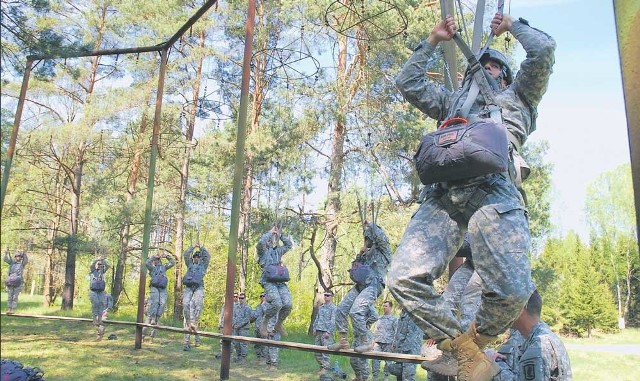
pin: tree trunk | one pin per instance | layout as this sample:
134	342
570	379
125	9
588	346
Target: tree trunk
72	249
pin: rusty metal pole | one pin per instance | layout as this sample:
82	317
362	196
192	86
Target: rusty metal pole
237	190
627	14
164	54
14	133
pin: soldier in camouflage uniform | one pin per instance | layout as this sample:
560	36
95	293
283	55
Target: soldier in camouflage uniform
14	282
385	333
157	300
407	340
97	293
360	299
323	327
542	357
242	314
277	294
489	206
258	315
197	260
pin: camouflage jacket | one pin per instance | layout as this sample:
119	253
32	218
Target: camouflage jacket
242	314
326	318
258	313
95	274
160	269
543	357
386	329
15	267
408	337
268	255
518	101
202	266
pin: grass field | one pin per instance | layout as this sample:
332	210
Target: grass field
68	351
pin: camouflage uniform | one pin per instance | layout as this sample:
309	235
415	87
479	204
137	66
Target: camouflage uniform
193	297
277	295
325	322
16	268
258	315
358	301
242	314
98	298
463	293
359	365
543	357
157	300
384	336
407	340
488	206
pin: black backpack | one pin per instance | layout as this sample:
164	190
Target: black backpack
12	370
193	278
159	281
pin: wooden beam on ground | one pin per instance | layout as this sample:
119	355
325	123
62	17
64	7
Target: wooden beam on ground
247	339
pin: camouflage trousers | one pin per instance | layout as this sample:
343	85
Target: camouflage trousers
192	301
356	304
462	295
260	349
404	371
278	299
359	365
241	348
156	304
273	352
375	364
499	235
323	359
98	302
12	297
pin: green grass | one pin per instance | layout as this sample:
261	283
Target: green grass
68	351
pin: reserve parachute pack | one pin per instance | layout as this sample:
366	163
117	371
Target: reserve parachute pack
359	272
12	370
193	278
97	284
276	273
13	280
159	280
463	151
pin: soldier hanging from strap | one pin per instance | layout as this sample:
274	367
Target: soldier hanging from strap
482	199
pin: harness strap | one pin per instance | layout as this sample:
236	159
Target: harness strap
471	206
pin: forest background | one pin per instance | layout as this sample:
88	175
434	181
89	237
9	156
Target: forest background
325	123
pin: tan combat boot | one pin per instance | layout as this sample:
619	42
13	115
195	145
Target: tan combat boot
366	345
441	362
342	343
473	364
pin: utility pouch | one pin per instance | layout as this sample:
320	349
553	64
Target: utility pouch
97	285
192	279
359	272
463	151
159	281
276	273
13	280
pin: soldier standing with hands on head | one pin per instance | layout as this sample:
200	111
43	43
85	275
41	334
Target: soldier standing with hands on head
14	280
197	260
274	280
487	205
157	301
97	295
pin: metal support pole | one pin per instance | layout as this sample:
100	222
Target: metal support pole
14	132
626	14
237	190
149	206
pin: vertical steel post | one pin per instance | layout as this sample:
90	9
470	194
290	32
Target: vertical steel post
237	190
626	15
164	54
14	132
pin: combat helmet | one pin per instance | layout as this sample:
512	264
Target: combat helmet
497	56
